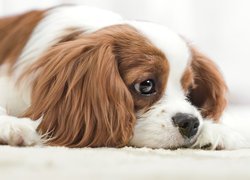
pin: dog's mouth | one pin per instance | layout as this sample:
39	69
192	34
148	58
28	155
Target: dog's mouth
192	144
188	143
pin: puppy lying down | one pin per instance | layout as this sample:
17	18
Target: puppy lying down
78	76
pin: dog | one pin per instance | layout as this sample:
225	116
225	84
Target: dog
78	76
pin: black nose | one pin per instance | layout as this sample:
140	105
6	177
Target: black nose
187	123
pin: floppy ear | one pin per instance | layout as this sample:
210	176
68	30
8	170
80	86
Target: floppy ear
209	89
81	97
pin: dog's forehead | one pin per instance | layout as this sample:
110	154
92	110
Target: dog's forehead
171	44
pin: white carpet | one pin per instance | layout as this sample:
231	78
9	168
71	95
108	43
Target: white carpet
128	163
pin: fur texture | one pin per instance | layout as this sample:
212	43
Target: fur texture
77	69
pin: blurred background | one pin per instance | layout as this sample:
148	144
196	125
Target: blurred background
221	29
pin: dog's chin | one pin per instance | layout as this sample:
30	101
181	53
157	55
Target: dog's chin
187	144
183	143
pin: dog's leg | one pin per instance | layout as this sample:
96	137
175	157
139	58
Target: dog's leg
18	131
218	136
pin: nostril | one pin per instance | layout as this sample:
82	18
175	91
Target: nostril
184	125
196	125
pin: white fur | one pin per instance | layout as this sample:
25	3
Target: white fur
48	32
18	131
154	128
55	24
219	136
170	43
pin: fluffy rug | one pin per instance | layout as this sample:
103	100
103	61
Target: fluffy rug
127	163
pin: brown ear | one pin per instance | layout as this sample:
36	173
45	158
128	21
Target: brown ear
209	89
81	96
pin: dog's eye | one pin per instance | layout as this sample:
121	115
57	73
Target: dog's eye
146	87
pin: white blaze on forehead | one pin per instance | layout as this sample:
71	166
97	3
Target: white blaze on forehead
155	127
171	44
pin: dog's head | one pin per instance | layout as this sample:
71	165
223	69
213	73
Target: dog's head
137	83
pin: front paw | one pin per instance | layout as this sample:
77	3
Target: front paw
218	137
18	132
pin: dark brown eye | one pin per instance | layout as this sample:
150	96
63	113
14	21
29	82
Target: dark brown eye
146	87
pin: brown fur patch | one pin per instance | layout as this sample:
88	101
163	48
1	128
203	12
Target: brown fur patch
209	90
139	60
84	87
70	35
14	34
187	79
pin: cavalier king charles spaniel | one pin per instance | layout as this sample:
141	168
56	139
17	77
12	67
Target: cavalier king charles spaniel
78	76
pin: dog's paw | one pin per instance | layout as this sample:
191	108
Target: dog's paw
18	131
218	137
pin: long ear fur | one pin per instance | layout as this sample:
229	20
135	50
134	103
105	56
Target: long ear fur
210	89
81	96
